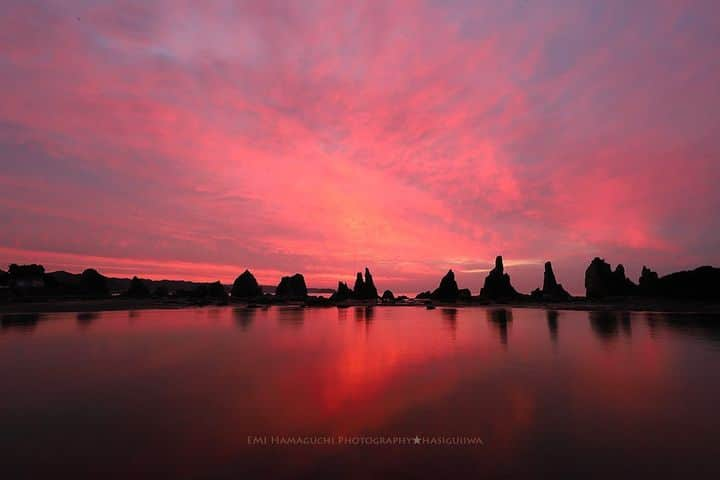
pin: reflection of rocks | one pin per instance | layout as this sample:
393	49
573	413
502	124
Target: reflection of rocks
601	281
21	321
291	316
245	286
552	322
497	284
449	316
244	317
551	290
292	287
607	325
500	319
448	289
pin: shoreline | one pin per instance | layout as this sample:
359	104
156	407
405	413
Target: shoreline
115	304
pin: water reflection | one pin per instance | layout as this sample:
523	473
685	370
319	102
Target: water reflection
552	323
244	317
607	325
20	321
179	392
698	325
291	316
500	319
449	316
84	319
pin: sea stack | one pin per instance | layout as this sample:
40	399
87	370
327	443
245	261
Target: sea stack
497	283
601	281
365	289
551	290
359	287
292	287
448	289
245	286
342	293
649	282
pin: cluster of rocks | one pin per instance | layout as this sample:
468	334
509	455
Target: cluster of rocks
551	290
497	284
601	281
364	289
292	287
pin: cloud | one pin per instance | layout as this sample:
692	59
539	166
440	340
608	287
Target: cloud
323	137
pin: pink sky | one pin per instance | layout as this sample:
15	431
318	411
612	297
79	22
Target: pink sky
193	140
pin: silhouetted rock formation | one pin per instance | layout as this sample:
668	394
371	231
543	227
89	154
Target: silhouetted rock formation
388	296
648	284
245	286
137	289
601	281
214	290
93	283
497	283
4	278
464	294
292	287
703	283
26	277
342	293
359	285
551	291
424	295
365	289
448	289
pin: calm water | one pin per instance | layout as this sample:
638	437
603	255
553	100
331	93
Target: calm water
177	393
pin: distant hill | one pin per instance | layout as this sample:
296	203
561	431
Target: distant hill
119	285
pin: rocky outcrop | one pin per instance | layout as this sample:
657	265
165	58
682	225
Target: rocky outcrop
365	289
93	283
649	282
4	278
448	289
388	297
497	284
601	281
137	289
551	290
292	287
359	286
464	294
703	283
342	293
245	286
423	295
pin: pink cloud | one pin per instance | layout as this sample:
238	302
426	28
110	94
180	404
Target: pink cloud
411	137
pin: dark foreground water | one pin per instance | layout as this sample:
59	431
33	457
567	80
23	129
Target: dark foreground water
212	393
